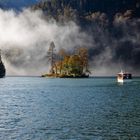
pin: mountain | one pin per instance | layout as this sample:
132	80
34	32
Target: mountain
86	7
113	26
80	8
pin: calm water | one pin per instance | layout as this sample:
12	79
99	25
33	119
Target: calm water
33	108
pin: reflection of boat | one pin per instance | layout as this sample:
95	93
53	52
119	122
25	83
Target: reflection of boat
124	77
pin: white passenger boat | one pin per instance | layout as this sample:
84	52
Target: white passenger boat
124	77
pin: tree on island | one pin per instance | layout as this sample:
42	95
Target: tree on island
51	56
68	65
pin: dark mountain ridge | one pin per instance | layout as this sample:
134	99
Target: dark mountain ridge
86	7
112	24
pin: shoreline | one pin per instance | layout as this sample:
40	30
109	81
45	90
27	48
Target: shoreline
65	78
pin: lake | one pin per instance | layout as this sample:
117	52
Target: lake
34	108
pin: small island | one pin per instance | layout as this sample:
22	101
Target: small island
68	65
2	68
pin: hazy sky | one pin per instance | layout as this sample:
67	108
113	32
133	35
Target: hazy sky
17	4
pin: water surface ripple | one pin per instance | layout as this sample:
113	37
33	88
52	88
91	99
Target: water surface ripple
33	108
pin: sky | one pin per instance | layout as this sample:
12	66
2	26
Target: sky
17	4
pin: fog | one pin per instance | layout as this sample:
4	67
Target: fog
25	38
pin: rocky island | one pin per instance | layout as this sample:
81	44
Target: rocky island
68	65
2	68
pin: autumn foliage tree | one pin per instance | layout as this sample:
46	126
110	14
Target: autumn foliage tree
68	64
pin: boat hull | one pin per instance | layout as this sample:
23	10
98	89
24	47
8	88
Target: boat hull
123	80
124	77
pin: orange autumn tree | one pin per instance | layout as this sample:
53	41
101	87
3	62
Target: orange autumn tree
68	65
83	54
75	65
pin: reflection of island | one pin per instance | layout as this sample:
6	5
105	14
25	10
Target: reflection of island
2	67
68	65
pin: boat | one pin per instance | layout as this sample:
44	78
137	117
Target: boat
124	77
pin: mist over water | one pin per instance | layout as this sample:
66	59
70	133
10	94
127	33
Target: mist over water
25	38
